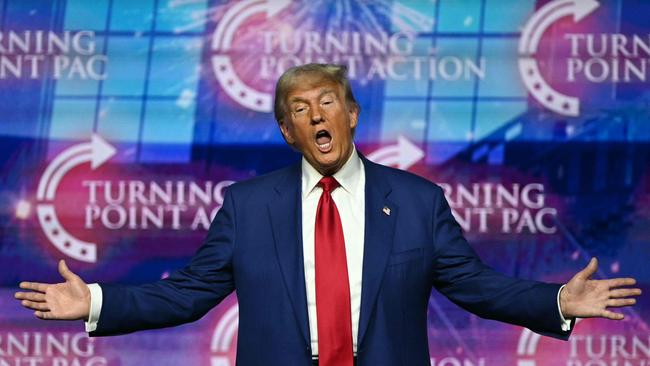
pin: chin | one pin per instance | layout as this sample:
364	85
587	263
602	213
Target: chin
330	161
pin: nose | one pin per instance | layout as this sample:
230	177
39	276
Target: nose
316	116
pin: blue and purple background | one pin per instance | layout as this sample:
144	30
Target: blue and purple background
170	119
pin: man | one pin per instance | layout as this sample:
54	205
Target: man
333	259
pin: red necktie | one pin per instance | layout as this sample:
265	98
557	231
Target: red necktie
332	286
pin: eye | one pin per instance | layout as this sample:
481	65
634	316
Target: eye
300	109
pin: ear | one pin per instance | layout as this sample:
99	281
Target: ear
354	116
286	133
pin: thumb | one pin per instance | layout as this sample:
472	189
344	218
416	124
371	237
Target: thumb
65	272
591	268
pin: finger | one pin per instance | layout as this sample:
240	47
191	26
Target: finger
620	302
619	282
34	286
43	315
65	272
35	305
32	296
591	268
625	292
612	315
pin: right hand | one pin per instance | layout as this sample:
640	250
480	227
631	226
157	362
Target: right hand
69	300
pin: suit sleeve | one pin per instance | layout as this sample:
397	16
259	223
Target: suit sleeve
460	275
186	295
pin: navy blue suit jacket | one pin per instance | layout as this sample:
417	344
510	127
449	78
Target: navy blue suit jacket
254	246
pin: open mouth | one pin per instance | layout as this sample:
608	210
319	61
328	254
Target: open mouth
324	141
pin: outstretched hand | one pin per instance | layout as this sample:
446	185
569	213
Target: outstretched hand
69	300
583	297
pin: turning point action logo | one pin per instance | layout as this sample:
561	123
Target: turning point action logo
368	50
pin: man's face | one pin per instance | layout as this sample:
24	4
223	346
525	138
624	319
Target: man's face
319	123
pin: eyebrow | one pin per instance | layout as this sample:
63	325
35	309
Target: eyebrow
320	95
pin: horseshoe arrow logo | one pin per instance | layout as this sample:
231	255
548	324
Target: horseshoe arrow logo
221	43
528	43
97	151
527	347
223	336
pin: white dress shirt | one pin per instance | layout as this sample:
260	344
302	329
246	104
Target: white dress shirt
350	201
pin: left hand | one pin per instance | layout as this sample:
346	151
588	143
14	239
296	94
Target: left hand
583	297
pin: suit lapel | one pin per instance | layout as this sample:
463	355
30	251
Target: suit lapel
285	210
381	215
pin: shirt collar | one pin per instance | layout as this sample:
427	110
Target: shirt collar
348	176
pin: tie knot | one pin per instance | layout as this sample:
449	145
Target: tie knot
328	183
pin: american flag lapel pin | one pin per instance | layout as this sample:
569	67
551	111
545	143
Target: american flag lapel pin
386	210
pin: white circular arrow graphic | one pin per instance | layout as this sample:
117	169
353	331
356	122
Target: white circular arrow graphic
403	155
223	336
527	347
528	45
221	43
97	152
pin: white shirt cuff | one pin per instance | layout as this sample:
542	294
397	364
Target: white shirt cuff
566	324
96	299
